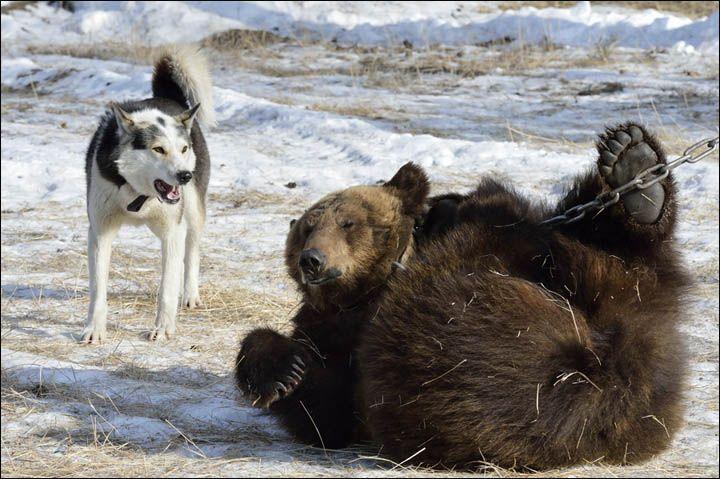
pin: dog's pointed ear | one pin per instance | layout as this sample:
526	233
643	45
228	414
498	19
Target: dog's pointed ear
411	185
124	122
187	117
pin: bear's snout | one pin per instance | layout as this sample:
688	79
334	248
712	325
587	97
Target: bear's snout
312	262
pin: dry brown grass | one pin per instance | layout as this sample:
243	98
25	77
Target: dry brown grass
89	452
132	51
19	5
364	110
385	67
242	39
251	199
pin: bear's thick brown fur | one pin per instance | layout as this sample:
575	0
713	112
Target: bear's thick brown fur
501	341
309	379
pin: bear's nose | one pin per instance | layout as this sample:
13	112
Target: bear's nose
312	260
184	176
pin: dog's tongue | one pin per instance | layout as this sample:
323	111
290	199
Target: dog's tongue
174	193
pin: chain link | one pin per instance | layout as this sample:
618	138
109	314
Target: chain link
642	180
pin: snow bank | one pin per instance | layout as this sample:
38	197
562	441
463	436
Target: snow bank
422	23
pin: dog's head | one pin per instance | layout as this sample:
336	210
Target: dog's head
158	156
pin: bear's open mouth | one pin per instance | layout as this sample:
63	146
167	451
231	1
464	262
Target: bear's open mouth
168	193
331	275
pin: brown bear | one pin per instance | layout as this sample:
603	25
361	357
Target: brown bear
341	253
500	340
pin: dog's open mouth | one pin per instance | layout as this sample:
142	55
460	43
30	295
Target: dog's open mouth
168	193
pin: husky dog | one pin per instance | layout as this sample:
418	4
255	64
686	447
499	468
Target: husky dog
148	164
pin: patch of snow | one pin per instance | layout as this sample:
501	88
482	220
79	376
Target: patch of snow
456	23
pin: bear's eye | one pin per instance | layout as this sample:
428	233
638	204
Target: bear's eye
347	224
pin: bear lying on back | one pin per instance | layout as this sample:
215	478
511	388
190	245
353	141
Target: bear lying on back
499	340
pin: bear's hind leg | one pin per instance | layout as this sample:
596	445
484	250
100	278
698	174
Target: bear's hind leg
641	220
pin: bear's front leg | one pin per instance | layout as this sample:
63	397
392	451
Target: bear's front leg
269	366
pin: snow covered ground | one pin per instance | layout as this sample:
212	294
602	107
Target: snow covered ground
332	99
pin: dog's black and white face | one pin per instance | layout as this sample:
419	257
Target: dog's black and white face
157	157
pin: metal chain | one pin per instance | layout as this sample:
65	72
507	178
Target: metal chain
642	180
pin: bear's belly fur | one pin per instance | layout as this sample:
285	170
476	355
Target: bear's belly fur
477	357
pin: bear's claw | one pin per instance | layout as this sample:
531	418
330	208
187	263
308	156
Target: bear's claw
267	376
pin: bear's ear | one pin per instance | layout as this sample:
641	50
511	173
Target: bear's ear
411	185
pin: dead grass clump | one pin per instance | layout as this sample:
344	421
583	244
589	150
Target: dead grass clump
604	49
364	110
242	39
248	199
19	5
540	4
137	53
385	68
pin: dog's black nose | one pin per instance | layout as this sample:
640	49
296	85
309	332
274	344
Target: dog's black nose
184	176
312	261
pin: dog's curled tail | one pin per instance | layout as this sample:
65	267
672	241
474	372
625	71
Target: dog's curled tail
182	74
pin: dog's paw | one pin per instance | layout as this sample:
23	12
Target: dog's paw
625	151
94	335
191	300
161	334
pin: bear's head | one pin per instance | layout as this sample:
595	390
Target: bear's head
346	244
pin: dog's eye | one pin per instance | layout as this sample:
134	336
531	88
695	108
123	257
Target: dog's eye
347	224
159	149
184	149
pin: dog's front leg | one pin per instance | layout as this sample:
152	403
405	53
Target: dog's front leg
195	218
173	251
99	250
